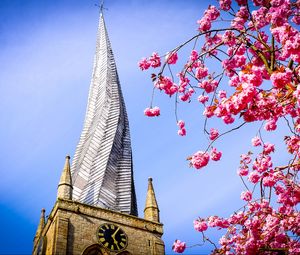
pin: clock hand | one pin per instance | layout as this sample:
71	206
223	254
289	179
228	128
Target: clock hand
114	234
114	239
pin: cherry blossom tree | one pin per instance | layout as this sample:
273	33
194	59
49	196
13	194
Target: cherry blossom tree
257	46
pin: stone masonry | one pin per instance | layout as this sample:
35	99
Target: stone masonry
72	228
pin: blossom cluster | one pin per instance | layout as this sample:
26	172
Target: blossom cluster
182	130
201	159
249	232
179	246
152	112
259	57
152	61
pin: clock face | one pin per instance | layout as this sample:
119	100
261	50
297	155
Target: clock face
112	237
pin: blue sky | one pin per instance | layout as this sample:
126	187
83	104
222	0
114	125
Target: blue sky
46	58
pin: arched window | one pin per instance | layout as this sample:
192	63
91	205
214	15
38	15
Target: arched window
94	249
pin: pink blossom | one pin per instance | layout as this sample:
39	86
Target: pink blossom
215	155
200	225
181	124
213	133
281	79
151	112
254	177
282	33
262	163
296	94
208	111
268	148
256	141
276	3
172	57
236	50
243	171
144	64
278	14
194	56
215	221
201	72
182	132
246	195
187	95
296	18
270	125
183	82
202	99
240	19
156	111
293	144
208	85
199	159
279	189
211	40
234	81
155	60
229	38
243	12
241	2
259	18
167	85
232	63
211	14
221	110
225	5
228	119
222	94
236	218
246	159
204	24
238	23
269	180
178	246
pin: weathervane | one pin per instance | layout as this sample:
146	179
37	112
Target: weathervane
101	6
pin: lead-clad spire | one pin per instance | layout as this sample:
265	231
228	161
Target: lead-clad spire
102	166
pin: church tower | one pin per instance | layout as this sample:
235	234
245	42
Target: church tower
96	210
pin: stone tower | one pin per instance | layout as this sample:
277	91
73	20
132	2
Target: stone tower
96	210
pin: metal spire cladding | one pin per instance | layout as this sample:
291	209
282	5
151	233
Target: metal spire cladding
102	166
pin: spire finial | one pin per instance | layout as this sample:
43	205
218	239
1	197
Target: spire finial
101	6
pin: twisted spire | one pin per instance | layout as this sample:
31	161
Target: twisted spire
102	166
